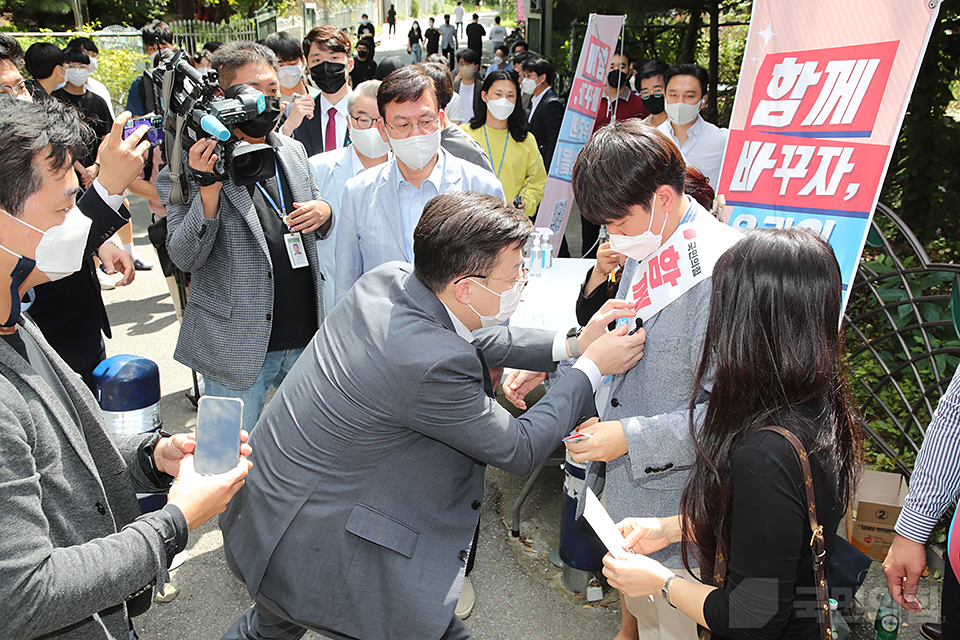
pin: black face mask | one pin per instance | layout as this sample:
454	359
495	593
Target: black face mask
18	275
265	122
329	76
617	78
361	55
653	104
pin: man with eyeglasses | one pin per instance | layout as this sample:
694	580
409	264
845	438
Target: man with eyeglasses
333	168
651	87
358	516
380	209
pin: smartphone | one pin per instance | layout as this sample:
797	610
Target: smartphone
219	421
154	133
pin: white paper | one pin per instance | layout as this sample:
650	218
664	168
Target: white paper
604	526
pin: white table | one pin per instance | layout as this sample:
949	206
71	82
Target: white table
550	300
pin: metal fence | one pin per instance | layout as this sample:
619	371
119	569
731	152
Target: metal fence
191	35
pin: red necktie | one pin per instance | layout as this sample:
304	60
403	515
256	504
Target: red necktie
330	135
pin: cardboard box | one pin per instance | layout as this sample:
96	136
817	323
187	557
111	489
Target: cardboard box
874	512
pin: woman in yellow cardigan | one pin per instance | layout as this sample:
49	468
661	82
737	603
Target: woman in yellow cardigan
500	126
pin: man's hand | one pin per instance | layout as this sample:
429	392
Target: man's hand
615	351
610	311
646	535
302	108
116	259
121	160
310	216
202	158
519	383
201	497
902	568
607	442
170	452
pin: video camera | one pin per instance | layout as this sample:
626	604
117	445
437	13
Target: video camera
191	111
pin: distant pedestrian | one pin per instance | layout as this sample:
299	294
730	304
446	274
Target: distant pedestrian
497	33
414	46
392	21
475	33
458	12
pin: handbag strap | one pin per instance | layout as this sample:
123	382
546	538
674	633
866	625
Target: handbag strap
817	543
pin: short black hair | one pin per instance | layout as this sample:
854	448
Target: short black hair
496	19
503	48
476	16
11	50
406	84
522	56
519	43
284	45
688	69
76	54
363	15
642	158
469	56
46	130
463	233
237	54
85	43
42	58
653	68
539	66
440	73
212	46
387	66
156	33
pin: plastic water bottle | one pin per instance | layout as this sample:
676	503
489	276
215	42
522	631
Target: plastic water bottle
545	233
888	619
840	627
536	257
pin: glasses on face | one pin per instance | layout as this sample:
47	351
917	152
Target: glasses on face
364	122
523	280
656	93
424	125
19	89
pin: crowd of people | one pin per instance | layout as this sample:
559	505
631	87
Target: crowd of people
368	278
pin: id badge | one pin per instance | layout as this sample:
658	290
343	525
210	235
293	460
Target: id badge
295	250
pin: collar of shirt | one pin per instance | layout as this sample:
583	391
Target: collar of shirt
357	165
340	106
534	102
434	178
458	326
412	200
695	129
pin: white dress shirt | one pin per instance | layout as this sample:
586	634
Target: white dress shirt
704	147
340	121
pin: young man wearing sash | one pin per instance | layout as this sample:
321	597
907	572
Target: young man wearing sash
641	442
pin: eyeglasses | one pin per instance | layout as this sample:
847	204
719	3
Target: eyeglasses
426	125
523	280
364	122
656	94
19	89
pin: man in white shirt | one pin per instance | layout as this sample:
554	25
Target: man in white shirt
448	39
467	87
458	12
701	143
321	123
498	33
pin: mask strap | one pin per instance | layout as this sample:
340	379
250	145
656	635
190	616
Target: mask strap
21	270
499	295
27	224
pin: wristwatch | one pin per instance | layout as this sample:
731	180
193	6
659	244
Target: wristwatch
572	347
665	591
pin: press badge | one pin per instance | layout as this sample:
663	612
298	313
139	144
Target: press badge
295	250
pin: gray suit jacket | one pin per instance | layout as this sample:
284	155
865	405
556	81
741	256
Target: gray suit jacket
331	170
367	479
370	229
65	486
227	322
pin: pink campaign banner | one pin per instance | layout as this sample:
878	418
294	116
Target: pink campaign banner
821	97
578	120
521	11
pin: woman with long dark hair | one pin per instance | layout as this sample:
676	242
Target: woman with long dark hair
773	351
499	125
414	40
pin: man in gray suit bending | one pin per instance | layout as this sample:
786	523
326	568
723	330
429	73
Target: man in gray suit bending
358	515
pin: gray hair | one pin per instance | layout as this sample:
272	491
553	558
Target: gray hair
367	89
233	56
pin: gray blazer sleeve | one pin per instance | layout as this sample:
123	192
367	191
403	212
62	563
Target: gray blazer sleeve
190	236
349	260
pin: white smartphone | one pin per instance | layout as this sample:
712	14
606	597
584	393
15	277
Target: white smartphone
219	421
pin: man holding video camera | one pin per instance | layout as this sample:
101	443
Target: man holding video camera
253	304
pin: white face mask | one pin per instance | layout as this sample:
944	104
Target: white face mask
368	142
528	86
633	84
497	60
153	57
509	301
416	151
289	75
501	108
94	65
641	246
60	252
681	113
77	77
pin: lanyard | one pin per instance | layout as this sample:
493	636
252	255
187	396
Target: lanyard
281	210
490	153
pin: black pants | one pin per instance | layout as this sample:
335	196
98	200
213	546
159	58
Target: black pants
950	604
448	53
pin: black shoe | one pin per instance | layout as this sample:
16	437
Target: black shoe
930	630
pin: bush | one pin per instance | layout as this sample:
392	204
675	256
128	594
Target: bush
414	9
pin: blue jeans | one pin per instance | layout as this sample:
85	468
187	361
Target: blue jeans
416	53
275	368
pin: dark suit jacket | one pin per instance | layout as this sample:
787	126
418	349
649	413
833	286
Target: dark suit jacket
545	124
70	312
477	83
367	479
310	132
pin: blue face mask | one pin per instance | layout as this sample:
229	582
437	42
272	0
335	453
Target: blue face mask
20	272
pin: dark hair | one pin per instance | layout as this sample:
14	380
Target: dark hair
156	33
623	52
406	84
214	45
496	19
539	66
522	56
284	45
367	41
437	58
85	43
11	50
503	48
328	39
476	16
42	58
387	66
653	68
233	56
517	122
641	158
29	133
697	187
469	56
462	233
446	17
363	15
773	351
519	43
696	71
440	74
75	54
